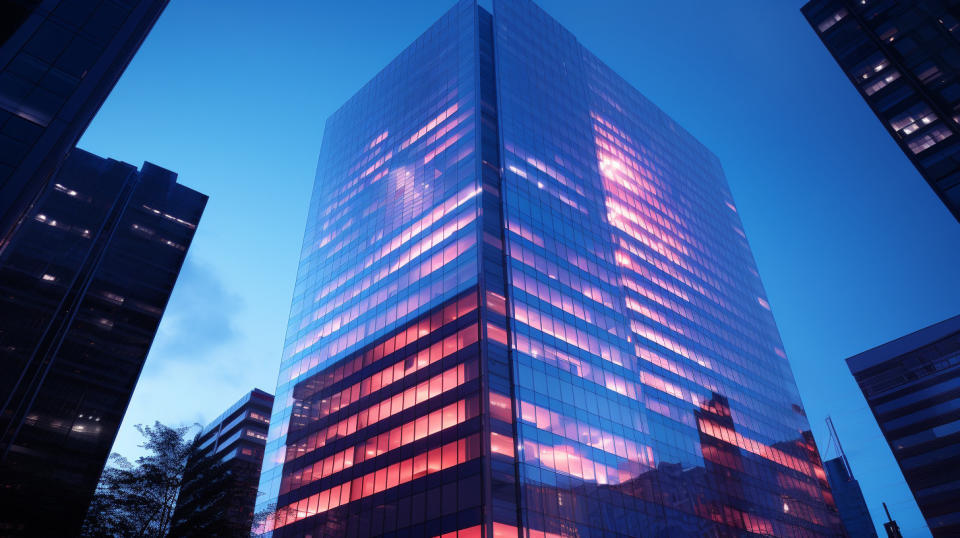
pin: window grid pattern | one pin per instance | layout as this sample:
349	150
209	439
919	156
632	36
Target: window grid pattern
652	388
904	59
553	326
382	341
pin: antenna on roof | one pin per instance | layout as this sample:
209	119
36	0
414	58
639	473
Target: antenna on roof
836	439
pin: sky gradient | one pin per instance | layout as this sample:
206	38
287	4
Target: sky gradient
854	249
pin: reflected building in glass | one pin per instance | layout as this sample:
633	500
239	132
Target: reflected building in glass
526	306
904	60
912	385
83	285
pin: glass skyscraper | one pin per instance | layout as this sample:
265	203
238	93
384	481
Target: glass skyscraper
526	306
90	249
904	60
59	59
83	285
912	385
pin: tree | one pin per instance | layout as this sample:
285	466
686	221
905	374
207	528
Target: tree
138	500
174	490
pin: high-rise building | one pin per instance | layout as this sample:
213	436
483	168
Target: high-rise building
83	284
58	61
526	303
849	497
904	59
912	385
234	444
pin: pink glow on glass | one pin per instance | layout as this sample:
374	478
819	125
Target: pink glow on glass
775	455
451	140
395	373
575	366
412	253
670	269
500	530
431	125
629	219
624	260
655	358
585	434
553	296
681	393
338	344
431	388
402	337
568	460
437	261
538	263
412	431
524	232
553	173
433	461
654	316
497	334
501	444
380	138
380	162
566	333
475	531
497	303
419	226
501	407
644	291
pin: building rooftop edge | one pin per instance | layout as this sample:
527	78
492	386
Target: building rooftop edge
904	344
233	408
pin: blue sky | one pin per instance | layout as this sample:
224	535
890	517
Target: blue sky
853	247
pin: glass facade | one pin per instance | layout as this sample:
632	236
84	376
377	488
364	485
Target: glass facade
912	385
83	285
526	306
58	61
380	368
904	59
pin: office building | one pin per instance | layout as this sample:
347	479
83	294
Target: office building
59	59
850	503
526	303
219	494
904	59
83	285
912	385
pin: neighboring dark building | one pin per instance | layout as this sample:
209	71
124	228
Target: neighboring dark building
904	59
234	442
849	498
913	387
83	285
59	59
524	291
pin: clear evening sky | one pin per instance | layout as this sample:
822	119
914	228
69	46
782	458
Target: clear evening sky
853	247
